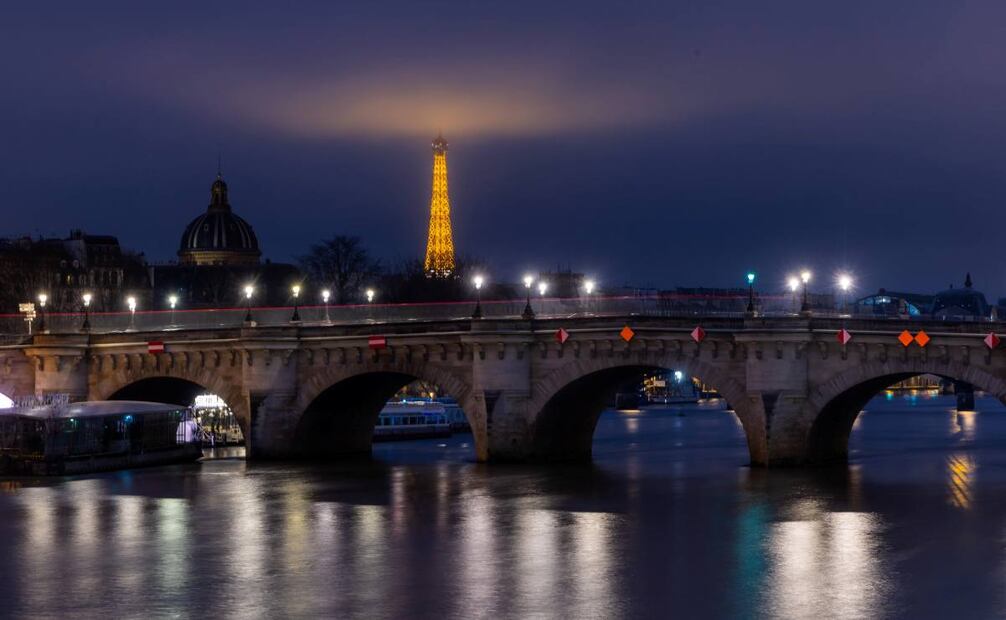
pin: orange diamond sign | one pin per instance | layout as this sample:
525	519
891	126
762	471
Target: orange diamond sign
626	333
922	338
905	338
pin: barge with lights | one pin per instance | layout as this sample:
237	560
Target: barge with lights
80	438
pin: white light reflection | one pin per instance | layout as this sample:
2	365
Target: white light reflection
250	556
537	561
828	566
593	574
173	540
478	554
964	424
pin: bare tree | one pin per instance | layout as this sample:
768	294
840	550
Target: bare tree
341	263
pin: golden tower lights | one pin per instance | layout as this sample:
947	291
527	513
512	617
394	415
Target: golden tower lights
439	262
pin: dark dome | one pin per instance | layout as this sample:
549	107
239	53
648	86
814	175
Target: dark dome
960	302
219	236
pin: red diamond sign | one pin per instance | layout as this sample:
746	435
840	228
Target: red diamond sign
562	335
626	333
698	334
844	337
905	338
992	341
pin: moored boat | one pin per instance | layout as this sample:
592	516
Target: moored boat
412	419
85	437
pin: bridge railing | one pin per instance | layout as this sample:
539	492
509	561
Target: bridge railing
13	327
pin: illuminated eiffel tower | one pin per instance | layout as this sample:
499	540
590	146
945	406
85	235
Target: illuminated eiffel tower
439	261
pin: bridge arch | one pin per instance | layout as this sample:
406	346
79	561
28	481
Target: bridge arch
837	403
567	402
337	408
176	386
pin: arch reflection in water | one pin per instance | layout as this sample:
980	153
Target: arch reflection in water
827	566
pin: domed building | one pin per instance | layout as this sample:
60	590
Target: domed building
218	256
959	303
219	236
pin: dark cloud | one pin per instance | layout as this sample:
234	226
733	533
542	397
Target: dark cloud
663	143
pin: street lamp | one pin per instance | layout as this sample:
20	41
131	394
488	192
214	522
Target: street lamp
528	312
805	278
42	298
131	303
295	289
325	294
87	316
845	283
588	289
249	291
478	280
172	302
793	283
370	295
751	279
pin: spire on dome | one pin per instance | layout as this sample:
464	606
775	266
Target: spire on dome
218	194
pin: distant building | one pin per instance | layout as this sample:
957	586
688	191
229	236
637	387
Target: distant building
218	256
952	303
961	302
65	269
893	303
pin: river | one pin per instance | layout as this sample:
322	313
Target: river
667	522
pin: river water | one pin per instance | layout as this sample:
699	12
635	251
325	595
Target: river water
667	522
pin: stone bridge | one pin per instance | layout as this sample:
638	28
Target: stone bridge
314	391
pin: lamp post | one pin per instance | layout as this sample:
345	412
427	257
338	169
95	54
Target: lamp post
794	285
325	294
42	298
751	279
172	302
249	291
845	283
588	289
478	280
370	301
131	304
805	278
87	313
528	312
295	289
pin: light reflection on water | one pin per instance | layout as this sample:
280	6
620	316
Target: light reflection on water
675	526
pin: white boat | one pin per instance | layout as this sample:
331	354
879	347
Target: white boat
411	419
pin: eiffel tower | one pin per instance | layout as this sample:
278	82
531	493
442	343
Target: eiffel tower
439	261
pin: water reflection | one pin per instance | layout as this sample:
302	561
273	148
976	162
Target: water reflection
961	469
678	526
827	566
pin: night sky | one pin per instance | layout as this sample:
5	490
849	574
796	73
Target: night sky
657	144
